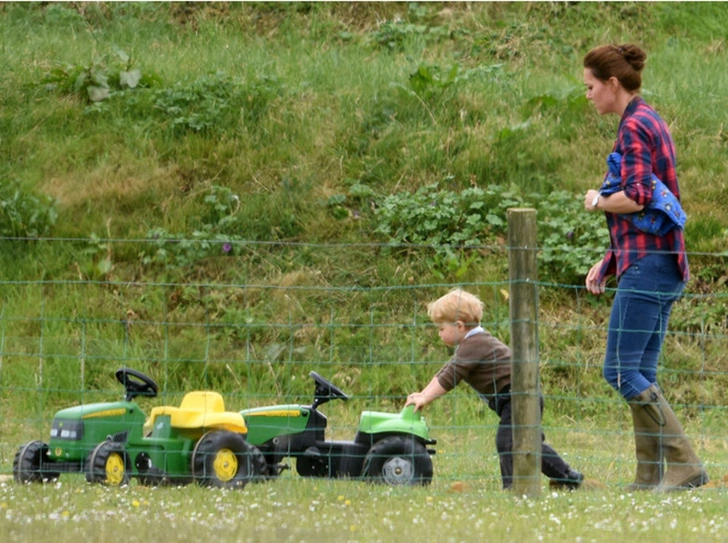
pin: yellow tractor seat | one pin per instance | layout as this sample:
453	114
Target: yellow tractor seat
200	409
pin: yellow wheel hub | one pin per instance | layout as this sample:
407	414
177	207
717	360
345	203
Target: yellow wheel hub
115	469
225	465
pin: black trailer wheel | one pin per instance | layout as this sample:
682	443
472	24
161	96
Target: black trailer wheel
108	464
28	464
258	466
147	474
222	459
398	461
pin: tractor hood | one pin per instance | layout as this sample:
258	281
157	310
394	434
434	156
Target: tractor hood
105	409
77	430
405	422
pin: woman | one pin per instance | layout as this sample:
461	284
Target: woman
651	269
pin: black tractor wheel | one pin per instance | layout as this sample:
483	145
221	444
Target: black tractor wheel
222	459
108	464
28	464
398	461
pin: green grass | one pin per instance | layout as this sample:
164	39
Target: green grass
316	115
458	506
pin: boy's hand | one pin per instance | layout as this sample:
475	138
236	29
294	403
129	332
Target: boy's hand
431	392
417	399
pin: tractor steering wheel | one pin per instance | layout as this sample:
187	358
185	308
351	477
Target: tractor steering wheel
326	391
136	384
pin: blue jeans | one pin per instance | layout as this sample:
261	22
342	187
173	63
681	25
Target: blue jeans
637	325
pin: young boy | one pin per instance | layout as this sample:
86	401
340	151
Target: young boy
485	364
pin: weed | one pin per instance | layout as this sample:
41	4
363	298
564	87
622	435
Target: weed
97	81
23	214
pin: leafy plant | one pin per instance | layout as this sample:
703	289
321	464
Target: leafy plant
25	215
215	102
427	78
211	238
96	81
446	220
358	195
570	240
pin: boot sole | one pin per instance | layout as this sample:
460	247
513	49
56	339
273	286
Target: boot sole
696	482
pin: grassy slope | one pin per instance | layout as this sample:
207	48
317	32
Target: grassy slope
326	116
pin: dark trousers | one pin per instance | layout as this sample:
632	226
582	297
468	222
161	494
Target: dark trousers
552	465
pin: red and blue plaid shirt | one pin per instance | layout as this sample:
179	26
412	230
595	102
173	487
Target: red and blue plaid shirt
646	146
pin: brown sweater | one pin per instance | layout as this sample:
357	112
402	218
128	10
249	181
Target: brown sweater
480	360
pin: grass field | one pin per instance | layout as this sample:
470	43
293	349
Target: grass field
463	503
229	195
304	510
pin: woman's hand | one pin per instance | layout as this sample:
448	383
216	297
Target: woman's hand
589	199
593	285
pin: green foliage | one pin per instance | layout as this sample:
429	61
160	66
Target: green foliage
97	81
443	218
23	214
450	221
430	81
466	482
216	102
571	241
394	35
213	237
98	262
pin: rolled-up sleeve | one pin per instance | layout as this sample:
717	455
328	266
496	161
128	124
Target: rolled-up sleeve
636	163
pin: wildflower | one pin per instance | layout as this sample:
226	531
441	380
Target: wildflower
226	248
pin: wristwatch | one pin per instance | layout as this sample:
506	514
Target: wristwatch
595	201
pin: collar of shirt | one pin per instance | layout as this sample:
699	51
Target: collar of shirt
476	330
631	108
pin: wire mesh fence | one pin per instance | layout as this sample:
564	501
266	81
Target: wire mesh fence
61	342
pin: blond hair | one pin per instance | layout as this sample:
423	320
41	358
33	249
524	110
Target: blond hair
456	305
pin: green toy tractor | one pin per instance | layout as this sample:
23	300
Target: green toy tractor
390	448
111	442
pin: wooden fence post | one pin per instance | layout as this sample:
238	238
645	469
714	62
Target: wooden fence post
523	276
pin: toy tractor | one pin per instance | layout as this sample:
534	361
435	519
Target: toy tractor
112	442
387	448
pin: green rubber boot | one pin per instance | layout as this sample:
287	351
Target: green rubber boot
684	468
647	421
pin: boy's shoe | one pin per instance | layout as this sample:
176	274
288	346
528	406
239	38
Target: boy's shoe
571	481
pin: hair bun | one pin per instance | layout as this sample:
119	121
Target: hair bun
634	55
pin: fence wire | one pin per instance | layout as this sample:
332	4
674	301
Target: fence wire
256	343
